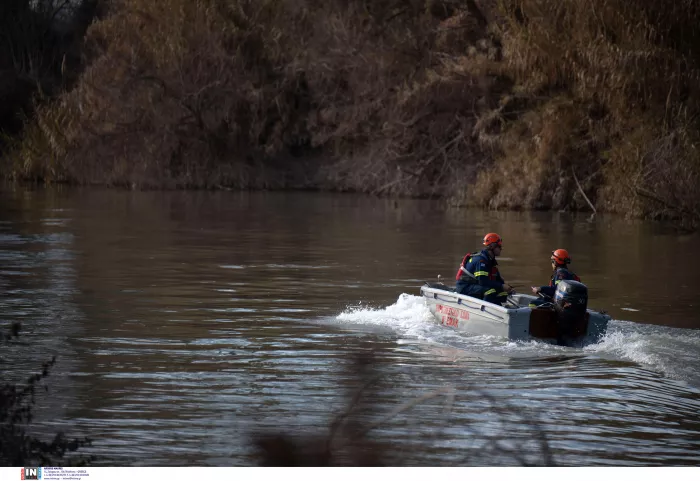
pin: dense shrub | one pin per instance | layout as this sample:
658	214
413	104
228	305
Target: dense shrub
39	53
501	103
612	94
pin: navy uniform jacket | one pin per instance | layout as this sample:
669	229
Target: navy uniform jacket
559	274
480	269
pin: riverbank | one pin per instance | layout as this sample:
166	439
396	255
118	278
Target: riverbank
500	104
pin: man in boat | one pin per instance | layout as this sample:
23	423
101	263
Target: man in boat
478	274
560	272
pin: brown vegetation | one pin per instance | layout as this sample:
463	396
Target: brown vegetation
500	103
19	443
611	88
39	53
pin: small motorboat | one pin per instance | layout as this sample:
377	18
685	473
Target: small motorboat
563	320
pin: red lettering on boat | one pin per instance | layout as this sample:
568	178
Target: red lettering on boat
450	321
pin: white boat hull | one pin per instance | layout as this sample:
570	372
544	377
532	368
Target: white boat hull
521	323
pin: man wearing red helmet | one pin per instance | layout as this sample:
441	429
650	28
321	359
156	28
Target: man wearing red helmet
560	272
478	274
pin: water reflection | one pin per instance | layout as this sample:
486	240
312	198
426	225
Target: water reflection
184	321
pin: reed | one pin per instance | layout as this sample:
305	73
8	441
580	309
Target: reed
498	103
612	93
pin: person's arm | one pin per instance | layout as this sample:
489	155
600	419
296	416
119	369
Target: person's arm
550	290
547	291
506	287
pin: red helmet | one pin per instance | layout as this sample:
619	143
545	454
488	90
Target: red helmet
493	238
561	257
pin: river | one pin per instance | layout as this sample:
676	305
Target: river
189	324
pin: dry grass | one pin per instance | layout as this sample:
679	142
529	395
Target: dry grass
496	103
249	94
612	92
39	54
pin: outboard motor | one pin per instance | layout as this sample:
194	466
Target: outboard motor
571	302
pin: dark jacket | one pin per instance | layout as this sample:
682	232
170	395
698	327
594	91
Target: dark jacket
559	274
480	269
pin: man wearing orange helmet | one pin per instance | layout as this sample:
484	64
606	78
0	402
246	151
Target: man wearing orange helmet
560	272
478	274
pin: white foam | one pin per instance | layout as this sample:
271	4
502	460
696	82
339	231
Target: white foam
409	315
671	351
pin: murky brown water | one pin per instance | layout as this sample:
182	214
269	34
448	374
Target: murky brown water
184	322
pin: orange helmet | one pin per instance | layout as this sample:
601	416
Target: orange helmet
493	238
561	257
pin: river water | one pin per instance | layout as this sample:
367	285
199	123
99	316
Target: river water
188	325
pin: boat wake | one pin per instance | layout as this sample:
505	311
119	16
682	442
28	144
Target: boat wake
673	352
